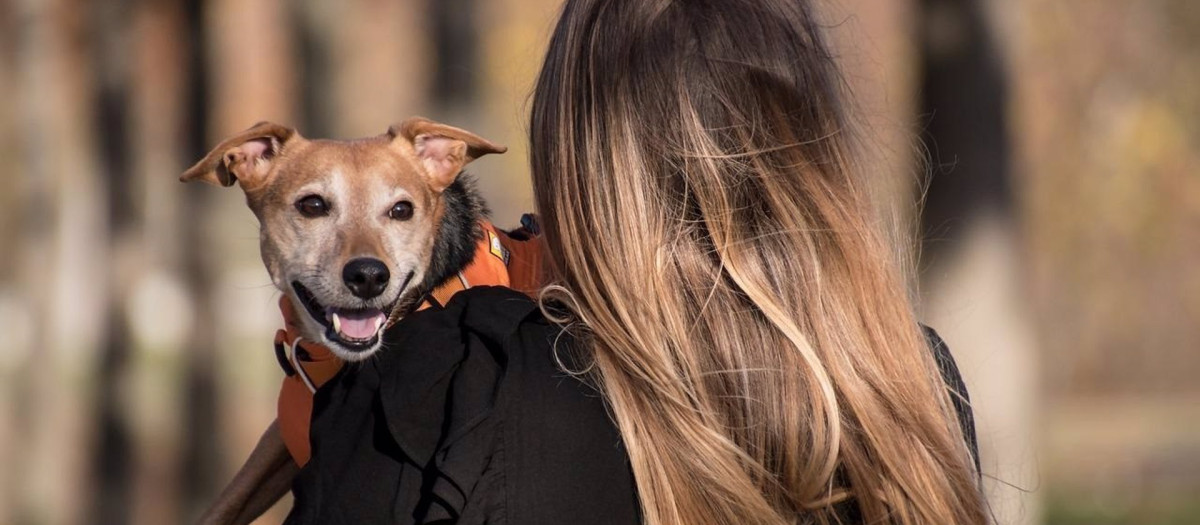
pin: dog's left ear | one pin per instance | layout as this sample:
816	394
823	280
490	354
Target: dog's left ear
443	150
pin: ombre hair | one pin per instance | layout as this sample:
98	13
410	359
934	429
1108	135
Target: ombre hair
707	235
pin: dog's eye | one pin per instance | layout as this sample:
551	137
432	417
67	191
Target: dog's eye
312	206
401	211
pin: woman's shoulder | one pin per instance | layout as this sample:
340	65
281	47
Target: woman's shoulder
490	341
506	327
533	351
546	372
563	458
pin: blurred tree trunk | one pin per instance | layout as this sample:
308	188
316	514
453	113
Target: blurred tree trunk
973	271
112	455
200	449
873	44
964	107
465	35
65	263
456	46
14	308
359	51
159	48
10	137
512	38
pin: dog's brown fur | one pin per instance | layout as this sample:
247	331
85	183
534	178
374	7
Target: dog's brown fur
360	180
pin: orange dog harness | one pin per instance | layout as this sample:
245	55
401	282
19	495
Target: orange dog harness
500	260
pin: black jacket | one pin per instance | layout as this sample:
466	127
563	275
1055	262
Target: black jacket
467	417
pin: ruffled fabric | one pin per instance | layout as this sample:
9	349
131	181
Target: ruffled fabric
440	407
406	437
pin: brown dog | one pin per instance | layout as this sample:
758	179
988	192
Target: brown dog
351	232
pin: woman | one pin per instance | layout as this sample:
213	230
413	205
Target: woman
726	339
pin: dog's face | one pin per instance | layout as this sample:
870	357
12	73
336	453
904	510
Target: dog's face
347	227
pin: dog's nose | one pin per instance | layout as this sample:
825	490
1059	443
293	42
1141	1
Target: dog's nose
366	277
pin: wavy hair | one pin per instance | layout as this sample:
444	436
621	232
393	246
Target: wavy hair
746	322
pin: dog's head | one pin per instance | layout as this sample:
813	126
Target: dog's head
347	228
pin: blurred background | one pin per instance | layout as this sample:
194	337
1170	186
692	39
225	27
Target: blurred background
1061	226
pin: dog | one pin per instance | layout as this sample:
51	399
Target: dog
353	234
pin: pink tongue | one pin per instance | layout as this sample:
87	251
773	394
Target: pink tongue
360	324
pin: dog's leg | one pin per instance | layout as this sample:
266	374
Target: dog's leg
264	478
272	488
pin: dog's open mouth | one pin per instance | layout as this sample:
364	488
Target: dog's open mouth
356	329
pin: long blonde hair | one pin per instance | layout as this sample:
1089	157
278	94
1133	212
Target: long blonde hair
748	326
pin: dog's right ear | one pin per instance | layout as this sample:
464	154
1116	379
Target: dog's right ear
246	156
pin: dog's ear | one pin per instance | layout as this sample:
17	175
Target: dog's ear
443	150
246	156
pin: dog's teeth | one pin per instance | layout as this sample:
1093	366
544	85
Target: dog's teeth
337	323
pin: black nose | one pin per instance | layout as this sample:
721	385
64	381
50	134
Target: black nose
366	277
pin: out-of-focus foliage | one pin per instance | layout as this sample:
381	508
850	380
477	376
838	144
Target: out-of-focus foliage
1108	116
136	370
